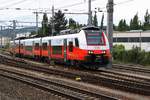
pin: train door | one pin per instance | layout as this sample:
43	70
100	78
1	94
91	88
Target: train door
19	45
23	48
70	46
40	44
33	48
65	50
49	49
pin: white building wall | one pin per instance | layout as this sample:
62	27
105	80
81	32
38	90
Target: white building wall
4	40
128	45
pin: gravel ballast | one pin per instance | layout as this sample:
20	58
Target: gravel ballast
15	90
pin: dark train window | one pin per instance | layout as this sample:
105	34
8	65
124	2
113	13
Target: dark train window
44	46
29	48
37	46
94	37
70	46
57	50
76	42
21	46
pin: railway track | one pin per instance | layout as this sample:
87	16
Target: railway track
103	78
121	67
56	87
131	68
123	76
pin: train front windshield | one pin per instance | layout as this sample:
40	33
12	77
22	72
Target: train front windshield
94	37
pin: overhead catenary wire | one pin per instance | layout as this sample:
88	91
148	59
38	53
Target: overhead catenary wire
71	5
75	4
119	3
123	2
14	3
5	2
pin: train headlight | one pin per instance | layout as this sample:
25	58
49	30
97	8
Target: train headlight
90	52
104	51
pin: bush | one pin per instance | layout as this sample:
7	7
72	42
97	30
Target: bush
135	55
118	51
7	46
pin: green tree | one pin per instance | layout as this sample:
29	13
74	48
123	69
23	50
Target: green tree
146	25
33	33
45	25
131	22
95	23
44	30
125	25
114	27
122	26
50	29
134	23
72	24
60	21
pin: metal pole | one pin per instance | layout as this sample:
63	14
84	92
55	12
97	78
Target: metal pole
102	20
1	36
89	13
43	28
36	22
53	26
14	35
1	41
140	40
110	26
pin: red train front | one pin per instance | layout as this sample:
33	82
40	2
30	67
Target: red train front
87	48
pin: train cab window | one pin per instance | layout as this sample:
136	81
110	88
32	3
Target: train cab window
37	46
94	37
70	46
44	46
76	42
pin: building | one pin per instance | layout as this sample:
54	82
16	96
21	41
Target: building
136	38
4	41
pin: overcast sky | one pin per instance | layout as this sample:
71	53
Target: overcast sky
123	9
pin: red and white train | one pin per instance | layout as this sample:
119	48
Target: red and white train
88	48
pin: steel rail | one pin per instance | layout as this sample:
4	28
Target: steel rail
50	85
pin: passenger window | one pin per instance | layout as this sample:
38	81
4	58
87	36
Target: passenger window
21	46
57	50
76	42
37	46
44	46
70	46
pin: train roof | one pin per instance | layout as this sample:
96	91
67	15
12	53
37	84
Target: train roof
62	36
51	37
90	28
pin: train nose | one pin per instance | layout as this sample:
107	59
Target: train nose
93	58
